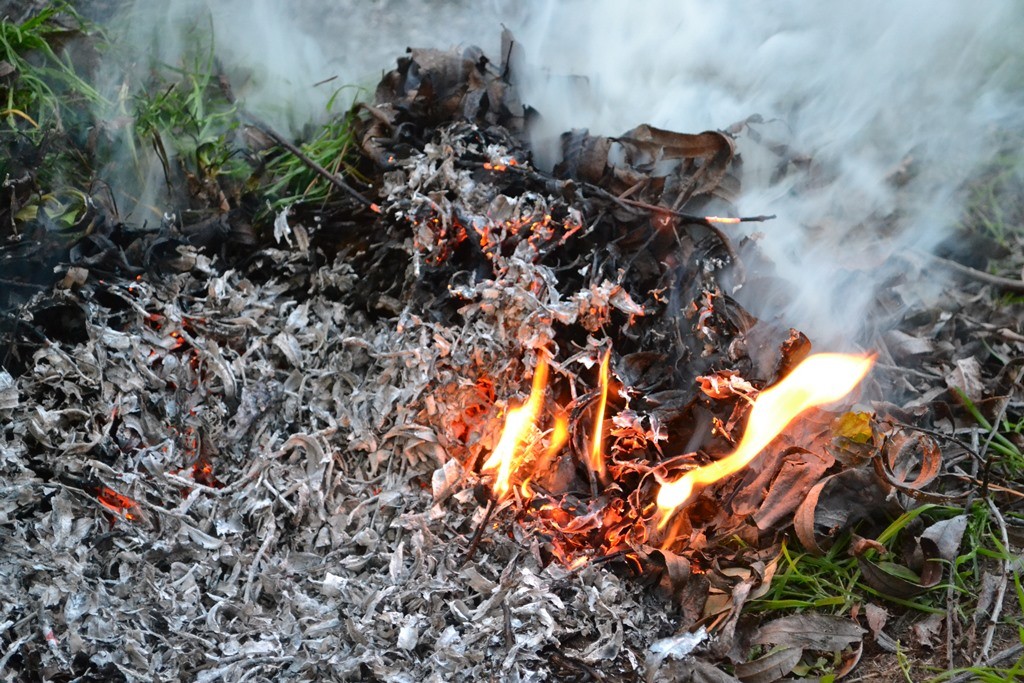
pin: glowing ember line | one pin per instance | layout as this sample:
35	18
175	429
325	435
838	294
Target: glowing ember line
721	219
596	452
822	378
518	423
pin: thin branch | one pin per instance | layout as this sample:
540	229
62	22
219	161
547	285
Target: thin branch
478	534
305	159
1004	283
997	607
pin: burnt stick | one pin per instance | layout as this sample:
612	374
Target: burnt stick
478	534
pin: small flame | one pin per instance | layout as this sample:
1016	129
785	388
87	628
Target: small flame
822	378
518	424
722	219
596	452
559	434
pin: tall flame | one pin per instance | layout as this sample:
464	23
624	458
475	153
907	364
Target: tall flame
596	453
822	378
518	423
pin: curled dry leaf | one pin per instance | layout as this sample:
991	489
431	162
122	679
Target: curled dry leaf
834	504
910	463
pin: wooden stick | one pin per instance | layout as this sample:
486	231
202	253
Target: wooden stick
478	534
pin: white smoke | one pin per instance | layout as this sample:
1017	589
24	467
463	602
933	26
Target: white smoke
861	87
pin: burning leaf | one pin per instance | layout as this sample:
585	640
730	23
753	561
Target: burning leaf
820	379
518	423
117	503
796	474
597	465
725	384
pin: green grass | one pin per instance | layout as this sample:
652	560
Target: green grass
42	89
995	197
179	119
333	147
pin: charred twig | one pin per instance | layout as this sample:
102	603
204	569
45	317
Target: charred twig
268	130
304	158
478	534
706	221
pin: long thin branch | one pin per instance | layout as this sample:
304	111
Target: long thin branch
997	606
305	159
1004	283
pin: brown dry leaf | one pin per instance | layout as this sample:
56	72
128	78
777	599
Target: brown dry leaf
905	348
770	667
876	616
819	632
910	463
646	146
966	376
946	535
690	671
938	545
796	474
834	504
926	631
893	579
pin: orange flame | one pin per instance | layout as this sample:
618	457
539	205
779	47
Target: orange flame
596	453
722	219
822	378
518	423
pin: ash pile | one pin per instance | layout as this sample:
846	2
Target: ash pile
284	469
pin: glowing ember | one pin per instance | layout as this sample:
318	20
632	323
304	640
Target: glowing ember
596	453
518	424
117	503
722	219
822	378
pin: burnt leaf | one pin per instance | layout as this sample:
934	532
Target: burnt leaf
792	352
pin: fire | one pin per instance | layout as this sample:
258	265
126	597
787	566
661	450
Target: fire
822	378
596	453
518	423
